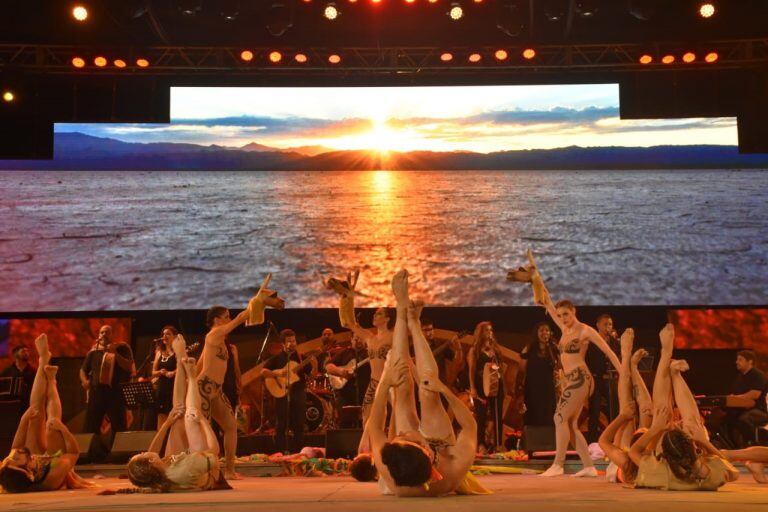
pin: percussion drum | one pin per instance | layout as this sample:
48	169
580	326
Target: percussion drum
319	412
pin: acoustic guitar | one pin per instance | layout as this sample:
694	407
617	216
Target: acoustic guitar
287	375
352	366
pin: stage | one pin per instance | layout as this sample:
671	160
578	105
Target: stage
516	492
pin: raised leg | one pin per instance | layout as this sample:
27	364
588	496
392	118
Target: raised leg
662	383
640	391
405	401
36	433
201	437
625	385
177	437
54	438
693	425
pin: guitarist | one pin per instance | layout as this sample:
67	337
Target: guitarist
291	409
337	365
448	356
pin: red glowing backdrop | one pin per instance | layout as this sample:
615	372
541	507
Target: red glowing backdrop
67	337
722	328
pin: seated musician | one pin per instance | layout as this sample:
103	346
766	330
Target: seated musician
748	388
291	408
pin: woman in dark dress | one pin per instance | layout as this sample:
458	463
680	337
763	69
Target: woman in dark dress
539	364
164	370
485	350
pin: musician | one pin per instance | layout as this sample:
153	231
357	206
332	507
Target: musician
540	364
23	369
107	366
750	384
450	354
290	409
483	356
328	348
347	395
164	371
598	366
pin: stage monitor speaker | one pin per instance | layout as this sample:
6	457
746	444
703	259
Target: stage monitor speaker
92	448
538	438
129	443
342	442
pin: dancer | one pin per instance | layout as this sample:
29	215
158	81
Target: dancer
44	452
195	467
668	457
427	451
164	371
754	457
485	358
576	337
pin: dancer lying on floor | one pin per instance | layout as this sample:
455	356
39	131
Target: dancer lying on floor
671	457
44	452
577	385
197	467
754	457
425	458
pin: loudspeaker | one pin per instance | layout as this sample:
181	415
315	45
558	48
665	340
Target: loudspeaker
129	443
342	442
92	448
538	438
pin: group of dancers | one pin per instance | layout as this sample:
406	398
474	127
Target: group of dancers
657	441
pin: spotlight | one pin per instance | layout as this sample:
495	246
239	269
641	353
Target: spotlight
645	59
189	7
643	10
279	19
432	1
446	57
229	9
142	63
246	55
409	1
707	9
475	57
275	57
711	57
334	59
668	59
331	12
80	12
119	63
375	1
587	8
8	96
78	62
510	18
689	57
456	12
300	58
554	10
529	53
100	61
501	55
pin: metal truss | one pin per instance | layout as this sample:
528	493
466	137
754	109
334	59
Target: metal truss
190	61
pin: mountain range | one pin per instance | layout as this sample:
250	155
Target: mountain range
77	151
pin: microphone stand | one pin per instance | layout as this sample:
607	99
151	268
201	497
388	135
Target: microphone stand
263	387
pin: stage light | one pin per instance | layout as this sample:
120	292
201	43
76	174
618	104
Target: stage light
475	57
554	10
300	58
707	9
668	59
8	96
78	62
587	8
279	19
229	9
432	1
689	57
456	12
501	55
119	63
189	7
375	1
645	59
478	1
510	18
409	1
446	57
80	13
275	57
246	55
529	53
331	12
711	57
334	59
142	63
643	10
100	61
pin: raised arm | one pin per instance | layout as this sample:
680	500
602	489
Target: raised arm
598	340
607	439
232	324
157	442
393	376
646	441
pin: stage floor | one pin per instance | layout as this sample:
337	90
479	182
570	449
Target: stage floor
334	494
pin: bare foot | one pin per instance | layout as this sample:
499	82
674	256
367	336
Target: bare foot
638	356
414	311
400	287
679	365
554	470
667	337
50	371
179	346
190	366
41	344
231	474
627	339
590	472
756	468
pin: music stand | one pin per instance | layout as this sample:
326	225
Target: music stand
646	363
139	395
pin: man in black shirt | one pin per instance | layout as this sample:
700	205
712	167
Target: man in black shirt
107	366
443	355
598	366
750	384
350	393
21	368
291	409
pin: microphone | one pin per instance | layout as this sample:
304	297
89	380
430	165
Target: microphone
157	340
